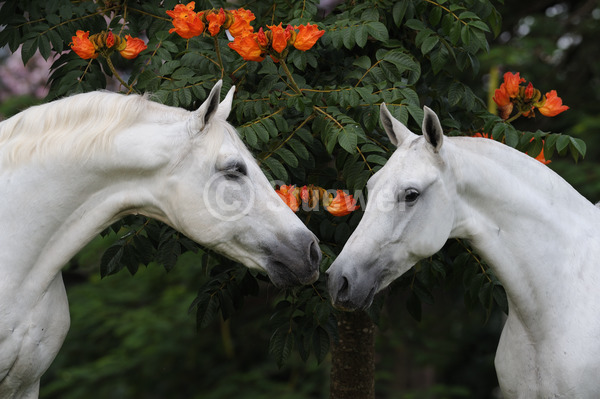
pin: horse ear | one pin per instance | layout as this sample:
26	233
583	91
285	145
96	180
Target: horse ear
225	106
208	107
432	129
395	130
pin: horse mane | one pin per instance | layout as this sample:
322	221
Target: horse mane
79	125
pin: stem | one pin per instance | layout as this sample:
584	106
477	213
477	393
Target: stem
289	75
218	51
116	74
509	120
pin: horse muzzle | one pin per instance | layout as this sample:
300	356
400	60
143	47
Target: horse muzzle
349	292
294	264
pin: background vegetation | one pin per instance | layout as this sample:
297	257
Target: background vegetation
135	336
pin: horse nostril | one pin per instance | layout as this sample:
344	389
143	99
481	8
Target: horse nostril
314	253
344	288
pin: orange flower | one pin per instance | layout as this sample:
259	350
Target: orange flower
512	82
133	47
304	194
262	39
501	97
248	47
186	22
307	36
552	104
287	194
541	158
110	40
342	204
502	100
241	22
529	91
83	46
280	37
182	11
215	21
482	135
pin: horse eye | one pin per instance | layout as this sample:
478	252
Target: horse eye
411	195
235	170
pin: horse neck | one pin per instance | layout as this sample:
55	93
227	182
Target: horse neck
533	229
52	208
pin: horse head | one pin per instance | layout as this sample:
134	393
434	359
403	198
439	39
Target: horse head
409	215
218	196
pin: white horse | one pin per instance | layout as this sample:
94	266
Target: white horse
70	168
539	236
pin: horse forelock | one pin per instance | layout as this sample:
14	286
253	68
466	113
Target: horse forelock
79	126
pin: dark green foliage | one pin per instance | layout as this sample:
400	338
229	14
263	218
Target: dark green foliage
405	53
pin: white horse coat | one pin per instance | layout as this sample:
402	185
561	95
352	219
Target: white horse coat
538	234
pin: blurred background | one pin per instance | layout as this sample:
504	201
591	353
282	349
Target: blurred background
133	337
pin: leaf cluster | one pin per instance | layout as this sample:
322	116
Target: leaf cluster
315	123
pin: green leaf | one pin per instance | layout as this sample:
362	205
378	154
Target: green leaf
435	16
578	145
361	35
429	44
168	252
415	24
261	132
363	62
511	137
378	159
277	168
320	339
207	310
110	262
550	145
465	34
378	31
298	148
288	157
28	49
498	131
44	46
348	139
562	142
281	344
399	11
439	58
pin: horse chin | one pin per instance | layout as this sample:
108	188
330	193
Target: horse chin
358	301
283	276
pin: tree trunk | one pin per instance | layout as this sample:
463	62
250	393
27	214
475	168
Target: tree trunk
352	358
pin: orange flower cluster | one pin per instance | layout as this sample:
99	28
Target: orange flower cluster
252	46
187	23
526	99
276	41
310	197
105	43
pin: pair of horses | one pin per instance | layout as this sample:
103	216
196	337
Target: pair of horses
70	168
